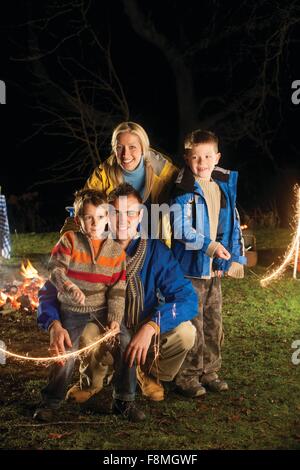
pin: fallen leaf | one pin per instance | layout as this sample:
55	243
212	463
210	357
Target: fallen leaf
202	406
234	418
55	435
123	434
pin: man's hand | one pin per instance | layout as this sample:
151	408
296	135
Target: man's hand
115	327
221	252
139	345
58	337
77	295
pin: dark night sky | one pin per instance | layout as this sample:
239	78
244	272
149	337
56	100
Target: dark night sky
149	86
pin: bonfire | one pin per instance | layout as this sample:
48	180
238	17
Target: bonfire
22	294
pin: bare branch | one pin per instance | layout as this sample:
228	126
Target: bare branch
82	101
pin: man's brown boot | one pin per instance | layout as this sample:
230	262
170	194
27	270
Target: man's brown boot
149	386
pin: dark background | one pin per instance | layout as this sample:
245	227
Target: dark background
243	56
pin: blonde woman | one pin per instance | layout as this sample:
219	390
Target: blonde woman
133	161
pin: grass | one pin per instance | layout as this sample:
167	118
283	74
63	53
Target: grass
260	411
26	244
31	245
270	238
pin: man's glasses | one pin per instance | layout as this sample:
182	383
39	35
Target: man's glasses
130	213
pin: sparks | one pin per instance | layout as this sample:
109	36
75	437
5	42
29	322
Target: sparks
60	357
291	250
174	311
156	348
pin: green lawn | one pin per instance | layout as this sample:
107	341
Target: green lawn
32	245
24	244
270	238
261	410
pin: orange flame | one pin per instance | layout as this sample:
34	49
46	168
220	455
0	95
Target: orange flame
29	272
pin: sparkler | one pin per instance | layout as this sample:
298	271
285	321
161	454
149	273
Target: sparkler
293	249
156	348
60	357
296	260
157	341
32	282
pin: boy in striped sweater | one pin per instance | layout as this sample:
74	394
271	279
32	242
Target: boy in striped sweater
89	271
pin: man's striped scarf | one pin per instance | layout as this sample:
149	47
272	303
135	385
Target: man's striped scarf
135	289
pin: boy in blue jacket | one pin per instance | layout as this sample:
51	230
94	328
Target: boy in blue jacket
207	242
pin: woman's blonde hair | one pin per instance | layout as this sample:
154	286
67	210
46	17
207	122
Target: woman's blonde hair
132	128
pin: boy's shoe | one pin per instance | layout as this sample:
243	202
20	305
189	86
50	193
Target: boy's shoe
216	385
195	390
44	414
128	410
149	386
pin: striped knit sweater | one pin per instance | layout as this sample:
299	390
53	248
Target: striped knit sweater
101	275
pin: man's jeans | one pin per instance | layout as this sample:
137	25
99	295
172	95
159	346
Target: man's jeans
60	376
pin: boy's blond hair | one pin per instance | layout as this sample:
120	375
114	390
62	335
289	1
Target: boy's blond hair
200	136
88	196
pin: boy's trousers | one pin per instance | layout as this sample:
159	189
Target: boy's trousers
204	360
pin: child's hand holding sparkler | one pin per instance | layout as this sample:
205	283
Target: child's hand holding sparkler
115	327
77	295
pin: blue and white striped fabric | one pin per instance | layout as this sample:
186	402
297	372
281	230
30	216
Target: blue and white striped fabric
4	230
